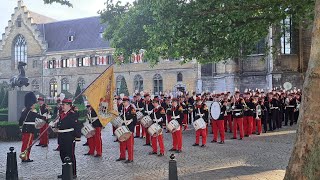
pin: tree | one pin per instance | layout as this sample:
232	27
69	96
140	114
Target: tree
62	2
79	99
123	88
213	31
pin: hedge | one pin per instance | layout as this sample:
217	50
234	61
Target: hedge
4	111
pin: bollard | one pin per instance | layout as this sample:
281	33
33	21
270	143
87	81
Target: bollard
12	169
173	172
67	169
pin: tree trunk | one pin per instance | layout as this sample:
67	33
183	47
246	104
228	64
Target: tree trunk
305	159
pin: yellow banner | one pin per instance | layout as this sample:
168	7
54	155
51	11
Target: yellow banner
100	96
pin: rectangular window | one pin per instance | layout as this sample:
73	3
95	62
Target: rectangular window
207	69
286	36
80	62
260	47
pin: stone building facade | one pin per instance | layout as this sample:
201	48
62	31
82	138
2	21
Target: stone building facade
62	55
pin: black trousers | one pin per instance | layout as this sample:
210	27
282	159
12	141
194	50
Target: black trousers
274	120
265	118
296	116
290	115
67	150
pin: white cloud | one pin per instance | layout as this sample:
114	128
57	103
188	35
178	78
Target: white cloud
81	8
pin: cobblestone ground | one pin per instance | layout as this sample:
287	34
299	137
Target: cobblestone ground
256	157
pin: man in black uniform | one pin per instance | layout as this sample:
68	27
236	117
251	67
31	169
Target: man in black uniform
69	132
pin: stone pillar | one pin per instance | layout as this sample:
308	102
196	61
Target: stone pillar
15	104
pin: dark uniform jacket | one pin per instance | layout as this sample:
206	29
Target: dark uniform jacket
28	115
147	106
67	121
223	110
159	114
93	114
239	106
177	111
250	109
130	114
203	109
185	106
139	105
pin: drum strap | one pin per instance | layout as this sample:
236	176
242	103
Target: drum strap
30	123
93	119
24	122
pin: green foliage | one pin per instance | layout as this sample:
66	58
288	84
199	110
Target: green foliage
207	30
6	123
4	102
124	88
78	100
62	2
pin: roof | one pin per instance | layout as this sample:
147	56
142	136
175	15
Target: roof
40	19
86	32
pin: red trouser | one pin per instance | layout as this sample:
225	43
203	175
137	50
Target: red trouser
95	142
247	125
177	140
127	145
138	129
237	122
27	139
185	121
203	133
228	122
44	140
158	138
143	131
218	125
148	137
257	122
211	127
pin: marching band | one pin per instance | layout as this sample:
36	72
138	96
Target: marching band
147	117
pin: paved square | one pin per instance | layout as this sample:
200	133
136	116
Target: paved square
257	158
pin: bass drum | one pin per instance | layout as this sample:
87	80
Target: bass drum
215	110
39	123
123	133
146	121
155	129
199	124
173	126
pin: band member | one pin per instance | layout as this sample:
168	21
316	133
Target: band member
228	116
158	116
290	106
120	111
201	111
218	124
148	109
274	106
248	116
130	119
95	142
258	117
176	113
27	123
139	107
43	110
167	106
184	104
237	114
69	130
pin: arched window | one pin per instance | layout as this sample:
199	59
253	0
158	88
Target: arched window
20	49
118	83
64	84
35	85
157	84
53	88
179	77
138	83
81	83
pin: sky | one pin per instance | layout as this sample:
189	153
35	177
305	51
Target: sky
81	9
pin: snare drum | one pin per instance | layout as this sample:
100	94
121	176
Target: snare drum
199	124
117	122
123	133
88	130
39	123
146	121
173	126
155	129
139	115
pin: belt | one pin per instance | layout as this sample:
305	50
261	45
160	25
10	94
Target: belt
65	130
30	123
274	108
290	106
237	110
